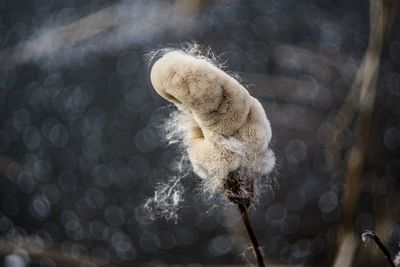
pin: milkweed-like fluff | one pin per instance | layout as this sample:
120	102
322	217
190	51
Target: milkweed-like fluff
224	130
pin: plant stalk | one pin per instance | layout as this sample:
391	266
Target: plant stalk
381	246
254	242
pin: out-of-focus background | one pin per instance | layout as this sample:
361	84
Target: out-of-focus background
81	146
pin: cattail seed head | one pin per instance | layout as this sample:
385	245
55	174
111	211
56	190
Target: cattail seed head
223	129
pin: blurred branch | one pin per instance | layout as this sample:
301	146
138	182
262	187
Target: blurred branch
361	95
346	251
61	37
309	57
30	247
361	99
53	40
36	252
289	90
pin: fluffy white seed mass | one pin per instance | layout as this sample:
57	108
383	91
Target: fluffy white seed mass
221	126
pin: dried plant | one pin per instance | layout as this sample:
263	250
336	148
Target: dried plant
372	235
221	128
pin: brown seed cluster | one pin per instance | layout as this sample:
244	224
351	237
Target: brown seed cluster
238	187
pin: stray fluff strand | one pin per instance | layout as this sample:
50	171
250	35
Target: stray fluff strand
222	128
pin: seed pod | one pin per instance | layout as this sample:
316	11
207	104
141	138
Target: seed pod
223	128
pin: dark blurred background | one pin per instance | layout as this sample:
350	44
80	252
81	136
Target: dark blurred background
81	147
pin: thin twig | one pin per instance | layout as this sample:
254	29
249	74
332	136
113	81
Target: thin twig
254	242
378	242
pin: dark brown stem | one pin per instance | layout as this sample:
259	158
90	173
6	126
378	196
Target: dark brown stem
381	246
254	242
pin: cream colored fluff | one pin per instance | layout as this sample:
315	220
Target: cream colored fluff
222	127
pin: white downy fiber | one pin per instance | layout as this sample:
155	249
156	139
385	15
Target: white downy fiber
220	125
